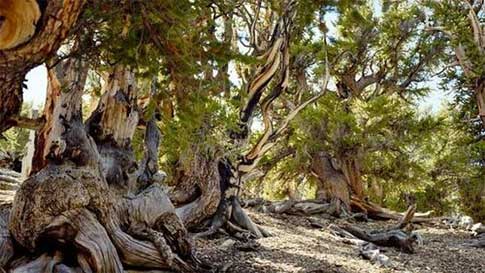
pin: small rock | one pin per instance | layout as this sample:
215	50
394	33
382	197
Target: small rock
227	244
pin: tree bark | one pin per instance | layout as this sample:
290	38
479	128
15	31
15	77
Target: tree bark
215	198
200	191
480	97
332	184
352	170
21	53
78	196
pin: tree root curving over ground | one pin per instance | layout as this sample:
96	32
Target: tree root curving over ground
84	208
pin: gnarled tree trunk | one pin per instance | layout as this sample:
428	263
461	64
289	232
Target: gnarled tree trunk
209	191
332	184
83	194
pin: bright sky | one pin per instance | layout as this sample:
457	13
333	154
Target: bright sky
36	86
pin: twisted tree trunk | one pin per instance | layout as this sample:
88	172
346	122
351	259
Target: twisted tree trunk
83	194
211	189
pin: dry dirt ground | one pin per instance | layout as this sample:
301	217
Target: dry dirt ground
296	246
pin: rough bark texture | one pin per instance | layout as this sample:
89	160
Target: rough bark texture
25	51
63	105
6	243
332	184
350	167
199	193
112	126
78	200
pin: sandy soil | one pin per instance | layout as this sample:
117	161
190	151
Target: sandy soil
298	247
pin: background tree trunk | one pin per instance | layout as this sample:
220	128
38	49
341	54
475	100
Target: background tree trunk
332	184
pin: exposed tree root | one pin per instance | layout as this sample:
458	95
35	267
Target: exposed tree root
478	242
240	217
391	238
153	237
83	197
217	203
231	218
44	263
91	239
360	209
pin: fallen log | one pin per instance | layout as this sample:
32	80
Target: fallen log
306	207
377	212
367	250
399	236
479	241
390	238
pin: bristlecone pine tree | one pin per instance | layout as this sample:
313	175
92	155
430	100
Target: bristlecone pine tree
86	192
86	205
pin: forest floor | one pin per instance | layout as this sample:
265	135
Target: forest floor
297	246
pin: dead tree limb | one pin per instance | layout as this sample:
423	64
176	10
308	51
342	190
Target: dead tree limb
392	238
377	212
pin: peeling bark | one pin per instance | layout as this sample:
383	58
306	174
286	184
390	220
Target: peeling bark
62	112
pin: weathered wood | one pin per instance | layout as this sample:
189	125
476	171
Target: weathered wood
204	175
44	263
242	219
90	238
332	184
377	212
391	238
407	218
212	195
62	135
148	171
29	155
116	116
18	23
112	126
304	207
33	123
151	217
23	51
